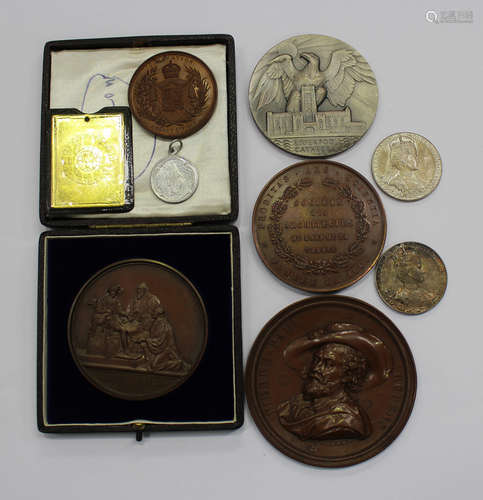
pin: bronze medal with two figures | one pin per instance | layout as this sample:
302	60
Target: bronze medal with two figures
319	226
137	329
330	381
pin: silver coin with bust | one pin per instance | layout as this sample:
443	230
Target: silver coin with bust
406	166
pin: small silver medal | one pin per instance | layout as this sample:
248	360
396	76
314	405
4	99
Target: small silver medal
174	179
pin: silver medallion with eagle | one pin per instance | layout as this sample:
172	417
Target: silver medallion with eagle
313	95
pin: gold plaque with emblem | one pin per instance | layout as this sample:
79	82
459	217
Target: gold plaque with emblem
88	160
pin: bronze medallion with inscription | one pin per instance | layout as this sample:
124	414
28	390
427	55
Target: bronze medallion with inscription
319	226
137	329
330	381
173	94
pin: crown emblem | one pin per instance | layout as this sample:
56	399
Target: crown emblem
403	145
171	70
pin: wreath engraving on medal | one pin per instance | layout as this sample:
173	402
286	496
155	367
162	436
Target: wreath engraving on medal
319	267
174	100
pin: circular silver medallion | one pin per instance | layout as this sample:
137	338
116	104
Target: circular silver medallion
406	166
313	95
174	179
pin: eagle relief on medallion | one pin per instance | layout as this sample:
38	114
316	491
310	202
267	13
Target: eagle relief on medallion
313	95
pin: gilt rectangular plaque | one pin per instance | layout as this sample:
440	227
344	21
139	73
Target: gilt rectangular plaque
88	161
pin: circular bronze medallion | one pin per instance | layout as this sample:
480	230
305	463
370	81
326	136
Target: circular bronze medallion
313	95
330	381
137	329
406	166
173	94
411	278
319	226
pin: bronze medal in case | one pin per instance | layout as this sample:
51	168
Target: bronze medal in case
319	226
137	329
330	381
173	94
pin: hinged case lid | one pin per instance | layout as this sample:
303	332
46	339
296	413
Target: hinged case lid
88	75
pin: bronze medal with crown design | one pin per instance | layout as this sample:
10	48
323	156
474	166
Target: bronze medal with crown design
330	381
173	94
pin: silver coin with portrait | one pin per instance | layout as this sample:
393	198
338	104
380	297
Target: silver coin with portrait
313	95
406	166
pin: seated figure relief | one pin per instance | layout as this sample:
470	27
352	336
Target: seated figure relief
139	337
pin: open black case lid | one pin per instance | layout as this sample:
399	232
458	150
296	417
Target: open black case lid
202	246
68	63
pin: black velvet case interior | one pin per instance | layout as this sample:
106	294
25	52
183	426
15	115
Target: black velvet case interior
210	398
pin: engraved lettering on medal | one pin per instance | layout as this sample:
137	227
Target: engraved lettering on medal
318	224
350	230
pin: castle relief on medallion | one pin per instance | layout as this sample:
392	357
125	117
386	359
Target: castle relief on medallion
313	95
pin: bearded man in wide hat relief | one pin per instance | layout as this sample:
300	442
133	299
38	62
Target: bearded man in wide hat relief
335	363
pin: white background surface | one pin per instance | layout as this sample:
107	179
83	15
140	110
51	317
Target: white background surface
429	79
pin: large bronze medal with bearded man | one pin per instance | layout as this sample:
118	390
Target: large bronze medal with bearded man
330	381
